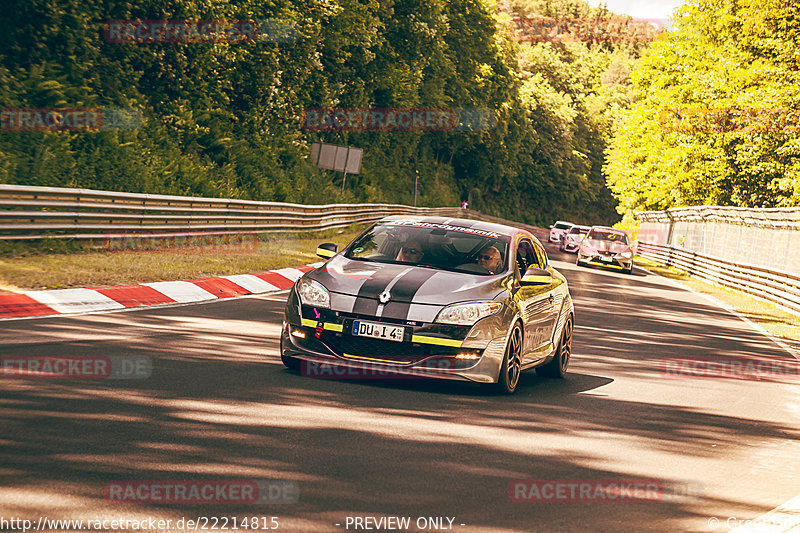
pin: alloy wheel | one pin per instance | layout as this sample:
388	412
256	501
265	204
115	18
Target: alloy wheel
566	346
514	357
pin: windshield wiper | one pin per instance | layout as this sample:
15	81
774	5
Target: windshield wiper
435	267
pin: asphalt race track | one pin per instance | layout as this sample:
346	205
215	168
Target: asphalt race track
219	405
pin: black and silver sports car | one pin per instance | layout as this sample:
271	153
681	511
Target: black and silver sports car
434	297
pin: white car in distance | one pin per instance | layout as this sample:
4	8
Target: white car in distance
558	229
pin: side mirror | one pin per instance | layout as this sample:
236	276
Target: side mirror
326	250
536	276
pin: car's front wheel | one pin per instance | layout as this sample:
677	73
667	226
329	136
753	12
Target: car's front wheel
290	362
512	362
558	366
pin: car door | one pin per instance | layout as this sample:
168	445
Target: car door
539	306
558	292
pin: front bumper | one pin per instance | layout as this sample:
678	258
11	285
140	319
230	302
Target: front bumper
570	247
614	262
439	351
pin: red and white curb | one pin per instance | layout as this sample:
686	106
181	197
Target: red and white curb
71	301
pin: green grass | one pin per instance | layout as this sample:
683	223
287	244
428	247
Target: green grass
779	322
54	264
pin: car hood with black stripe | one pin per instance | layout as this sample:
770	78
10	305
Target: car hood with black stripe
358	285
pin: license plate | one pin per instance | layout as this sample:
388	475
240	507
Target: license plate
605	258
378	331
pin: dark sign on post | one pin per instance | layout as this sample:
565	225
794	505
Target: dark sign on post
340	158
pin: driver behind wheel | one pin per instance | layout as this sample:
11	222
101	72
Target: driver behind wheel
490	259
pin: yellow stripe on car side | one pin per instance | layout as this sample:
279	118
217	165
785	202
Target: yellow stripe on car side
307	322
424	339
361	357
605	265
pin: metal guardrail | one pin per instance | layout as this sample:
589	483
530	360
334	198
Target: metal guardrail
780	287
32	212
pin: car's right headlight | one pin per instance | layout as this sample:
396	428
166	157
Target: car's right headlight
313	293
467	314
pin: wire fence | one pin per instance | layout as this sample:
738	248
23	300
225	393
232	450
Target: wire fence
753	250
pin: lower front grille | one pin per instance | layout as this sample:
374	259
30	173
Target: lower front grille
613	263
389	351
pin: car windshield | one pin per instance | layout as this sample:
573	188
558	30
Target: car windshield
574	230
562	225
604	235
430	245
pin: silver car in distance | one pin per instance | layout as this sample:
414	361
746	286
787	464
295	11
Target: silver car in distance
606	247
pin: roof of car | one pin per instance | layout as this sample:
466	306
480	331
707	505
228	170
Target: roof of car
607	228
477	226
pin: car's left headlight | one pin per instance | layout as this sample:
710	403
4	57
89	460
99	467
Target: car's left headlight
313	293
625	255
468	313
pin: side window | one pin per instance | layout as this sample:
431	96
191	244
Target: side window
526	257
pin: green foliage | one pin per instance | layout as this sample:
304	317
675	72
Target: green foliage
570	93
224	119
724	56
